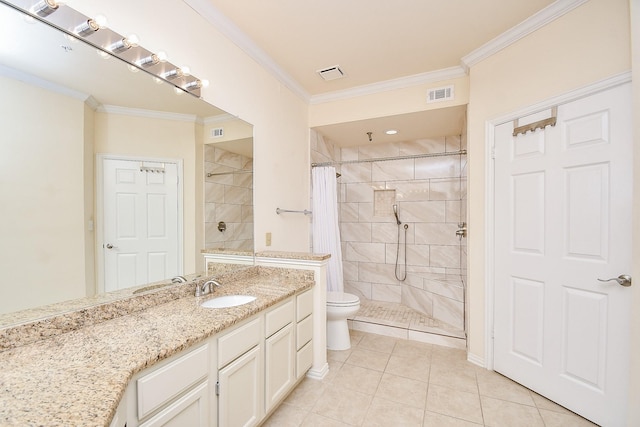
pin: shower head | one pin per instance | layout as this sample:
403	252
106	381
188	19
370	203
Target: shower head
395	212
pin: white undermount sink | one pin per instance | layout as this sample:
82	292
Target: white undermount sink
228	301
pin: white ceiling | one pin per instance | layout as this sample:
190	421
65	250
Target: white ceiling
373	41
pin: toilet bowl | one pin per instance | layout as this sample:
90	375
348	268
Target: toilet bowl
340	306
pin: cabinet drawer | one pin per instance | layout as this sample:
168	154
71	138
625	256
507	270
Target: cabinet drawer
161	386
236	342
304	359
304	332
304	304
278	318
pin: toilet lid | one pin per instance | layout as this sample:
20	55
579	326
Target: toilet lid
342	298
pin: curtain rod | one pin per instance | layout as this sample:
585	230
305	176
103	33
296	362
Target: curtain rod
385	159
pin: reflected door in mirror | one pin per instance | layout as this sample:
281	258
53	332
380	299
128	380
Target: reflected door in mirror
141	236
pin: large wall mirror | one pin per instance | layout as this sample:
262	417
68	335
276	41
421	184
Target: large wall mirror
66	111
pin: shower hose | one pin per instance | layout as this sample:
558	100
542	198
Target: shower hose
404	276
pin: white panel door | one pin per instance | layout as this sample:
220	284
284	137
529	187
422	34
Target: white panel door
563	220
140	223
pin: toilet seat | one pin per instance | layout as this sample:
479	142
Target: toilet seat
342	299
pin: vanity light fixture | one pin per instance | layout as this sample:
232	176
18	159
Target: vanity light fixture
90	26
148	61
173	74
195	84
45	7
124	44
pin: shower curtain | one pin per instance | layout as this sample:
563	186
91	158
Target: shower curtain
326	229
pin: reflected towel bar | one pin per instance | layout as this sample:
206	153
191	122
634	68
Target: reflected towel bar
279	211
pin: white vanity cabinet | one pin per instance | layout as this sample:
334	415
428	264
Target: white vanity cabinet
304	332
240	386
279	353
235	378
174	393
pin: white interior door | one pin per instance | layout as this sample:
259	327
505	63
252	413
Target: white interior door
563	220
141	230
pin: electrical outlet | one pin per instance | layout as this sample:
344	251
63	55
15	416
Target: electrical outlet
268	239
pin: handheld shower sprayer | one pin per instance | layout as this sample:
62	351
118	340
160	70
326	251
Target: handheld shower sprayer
395	212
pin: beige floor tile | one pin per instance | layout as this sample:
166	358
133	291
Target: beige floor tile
543	403
306	394
343	405
334	368
315	420
377	343
441	353
383	413
358	378
368	359
432	419
557	419
412	349
494	385
286	416
454	374
409	367
338	355
402	390
355	336
455	403
500	413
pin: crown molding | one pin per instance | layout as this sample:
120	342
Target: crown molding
526	27
12	73
393	84
149	114
220	118
223	24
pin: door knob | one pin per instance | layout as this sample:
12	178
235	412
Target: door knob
623	280
110	246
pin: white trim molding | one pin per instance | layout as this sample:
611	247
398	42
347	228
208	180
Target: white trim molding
149	114
534	22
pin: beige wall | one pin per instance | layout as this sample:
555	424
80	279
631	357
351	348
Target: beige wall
43	229
586	45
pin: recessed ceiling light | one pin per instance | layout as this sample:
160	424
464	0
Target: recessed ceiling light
391	132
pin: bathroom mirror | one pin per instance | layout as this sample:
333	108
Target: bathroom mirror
63	105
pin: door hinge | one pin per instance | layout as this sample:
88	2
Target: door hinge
217	388
493	152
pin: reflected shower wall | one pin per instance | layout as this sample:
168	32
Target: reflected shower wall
228	199
431	197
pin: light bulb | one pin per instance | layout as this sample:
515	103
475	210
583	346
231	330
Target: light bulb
45	7
162	56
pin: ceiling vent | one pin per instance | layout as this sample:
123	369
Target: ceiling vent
440	94
217	132
331	73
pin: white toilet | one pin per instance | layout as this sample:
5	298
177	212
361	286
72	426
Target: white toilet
340	306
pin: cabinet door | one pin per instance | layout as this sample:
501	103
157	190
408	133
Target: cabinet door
190	410
241	390
279	374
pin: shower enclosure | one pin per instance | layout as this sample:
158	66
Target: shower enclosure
428	190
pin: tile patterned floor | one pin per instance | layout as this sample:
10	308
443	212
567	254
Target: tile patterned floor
385	381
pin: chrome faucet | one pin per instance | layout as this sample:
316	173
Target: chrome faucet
202	289
179	279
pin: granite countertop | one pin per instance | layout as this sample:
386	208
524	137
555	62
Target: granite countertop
79	377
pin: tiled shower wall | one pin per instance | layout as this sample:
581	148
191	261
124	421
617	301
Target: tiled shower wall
228	198
431	198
